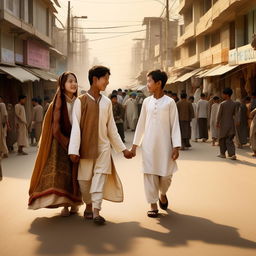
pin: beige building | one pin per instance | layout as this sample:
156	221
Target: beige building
26	49
213	47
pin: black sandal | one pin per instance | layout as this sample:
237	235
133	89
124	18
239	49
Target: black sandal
163	206
152	213
99	220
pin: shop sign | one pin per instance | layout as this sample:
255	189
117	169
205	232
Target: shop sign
242	55
18	58
37	55
7	56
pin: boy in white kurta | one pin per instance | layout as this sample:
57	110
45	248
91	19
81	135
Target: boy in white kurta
94	169
158	132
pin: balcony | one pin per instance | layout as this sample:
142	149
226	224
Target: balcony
189	33
184	4
205	22
177	63
23	26
213	56
223	11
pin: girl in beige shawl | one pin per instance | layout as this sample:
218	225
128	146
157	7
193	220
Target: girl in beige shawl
54	180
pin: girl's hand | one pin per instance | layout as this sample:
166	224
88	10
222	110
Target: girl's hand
74	158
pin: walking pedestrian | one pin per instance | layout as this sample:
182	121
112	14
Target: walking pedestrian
194	126
93	133
21	125
226	125
186	114
202	116
54	179
253	132
131	110
158	132
213	119
11	138
118	113
4	124
37	119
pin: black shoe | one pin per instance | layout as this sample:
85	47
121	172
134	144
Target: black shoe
163	206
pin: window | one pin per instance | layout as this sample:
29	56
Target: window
177	54
9	5
30	12
192	48
207	42
215	38
188	16
181	27
232	35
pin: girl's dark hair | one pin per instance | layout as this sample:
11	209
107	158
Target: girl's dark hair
97	71
158	75
64	120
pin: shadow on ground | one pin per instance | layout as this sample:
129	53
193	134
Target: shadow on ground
61	235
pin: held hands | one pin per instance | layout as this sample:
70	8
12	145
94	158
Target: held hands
175	154
127	154
74	158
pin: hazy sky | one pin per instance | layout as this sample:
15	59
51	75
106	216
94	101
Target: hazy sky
116	52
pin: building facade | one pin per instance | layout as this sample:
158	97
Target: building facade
213	48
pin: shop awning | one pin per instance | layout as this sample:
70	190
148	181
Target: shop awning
205	74
221	70
188	75
19	73
45	75
171	80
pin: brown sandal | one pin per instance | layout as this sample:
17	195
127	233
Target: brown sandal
88	215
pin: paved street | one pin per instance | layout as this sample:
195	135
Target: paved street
212	212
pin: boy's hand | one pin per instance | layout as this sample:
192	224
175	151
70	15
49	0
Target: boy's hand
133	150
127	154
74	158
175	153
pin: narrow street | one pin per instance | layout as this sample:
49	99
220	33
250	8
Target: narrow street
212	212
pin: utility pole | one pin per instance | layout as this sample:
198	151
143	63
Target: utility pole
68	37
167	36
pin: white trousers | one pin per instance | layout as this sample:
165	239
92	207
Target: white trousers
153	184
92	190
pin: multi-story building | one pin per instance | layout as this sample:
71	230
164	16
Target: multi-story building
213	44
26	43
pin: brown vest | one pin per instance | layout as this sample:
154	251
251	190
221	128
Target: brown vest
89	125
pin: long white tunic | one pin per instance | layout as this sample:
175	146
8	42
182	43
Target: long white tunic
158	131
213	120
194	126
108	136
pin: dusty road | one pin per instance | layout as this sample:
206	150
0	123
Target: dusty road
212	212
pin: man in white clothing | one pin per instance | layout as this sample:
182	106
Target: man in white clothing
158	132
202	117
93	133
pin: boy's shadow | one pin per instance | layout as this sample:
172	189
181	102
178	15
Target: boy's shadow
61	235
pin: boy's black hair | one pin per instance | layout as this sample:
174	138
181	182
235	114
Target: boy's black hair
21	97
216	98
113	96
35	100
203	95
97	71
227	91
183	95
191	98
158	75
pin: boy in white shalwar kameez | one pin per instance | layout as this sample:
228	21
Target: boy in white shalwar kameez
158	132
93	133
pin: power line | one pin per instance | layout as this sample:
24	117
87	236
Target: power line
126	26
104	38
115	32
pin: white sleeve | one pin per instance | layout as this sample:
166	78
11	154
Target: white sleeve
114	137
75	137
175	125
140	129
